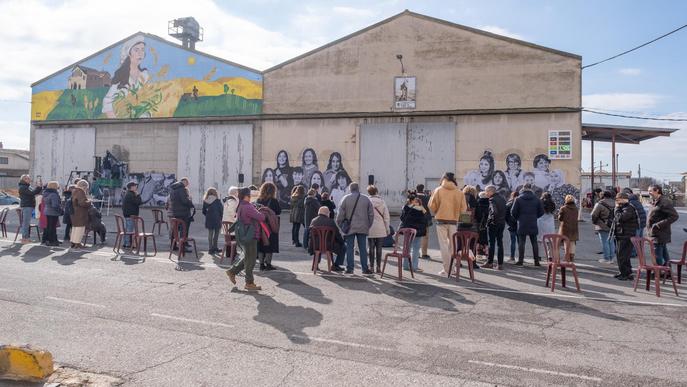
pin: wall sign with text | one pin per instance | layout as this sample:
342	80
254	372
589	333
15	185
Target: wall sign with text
560	144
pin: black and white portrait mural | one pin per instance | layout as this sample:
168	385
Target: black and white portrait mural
334	179
513	177
152	186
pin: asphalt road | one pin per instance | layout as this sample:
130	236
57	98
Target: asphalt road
152	325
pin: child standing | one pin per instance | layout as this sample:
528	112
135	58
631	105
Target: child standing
213	210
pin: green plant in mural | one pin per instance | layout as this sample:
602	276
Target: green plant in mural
138	100
219	105
226	88
79	104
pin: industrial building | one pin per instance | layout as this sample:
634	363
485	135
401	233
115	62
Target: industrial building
398	103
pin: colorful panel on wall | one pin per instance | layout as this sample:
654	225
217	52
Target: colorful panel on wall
560	144
146	77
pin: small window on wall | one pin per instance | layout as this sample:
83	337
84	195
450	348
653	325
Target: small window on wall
4	160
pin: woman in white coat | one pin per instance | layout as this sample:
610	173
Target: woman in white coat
379	229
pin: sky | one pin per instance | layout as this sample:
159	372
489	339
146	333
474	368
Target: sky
42	37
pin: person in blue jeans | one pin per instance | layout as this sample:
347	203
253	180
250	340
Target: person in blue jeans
413	216
130	207
602	215
27	202
512	224
355	218
661	215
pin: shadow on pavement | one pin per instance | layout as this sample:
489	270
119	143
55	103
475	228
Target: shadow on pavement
36	253
290	320
288	281
70	257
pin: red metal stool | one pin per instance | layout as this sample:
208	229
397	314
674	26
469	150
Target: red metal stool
21	220
463	243
142	236
552	250
680	262
180	238
121	234
159	220
408	235
639	244
322	239
229	249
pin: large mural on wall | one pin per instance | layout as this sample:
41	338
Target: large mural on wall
513	177
334	179
146	77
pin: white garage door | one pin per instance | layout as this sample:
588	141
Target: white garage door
214	156
59	151
431	152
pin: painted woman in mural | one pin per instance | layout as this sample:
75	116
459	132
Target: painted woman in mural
482	177
514	170
282	178
297	176
309	165
501	184
340	189
541	172
125	98
318	178
334	165
559	189
268	176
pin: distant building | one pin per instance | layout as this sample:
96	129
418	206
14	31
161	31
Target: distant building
87	78
603	180
13	164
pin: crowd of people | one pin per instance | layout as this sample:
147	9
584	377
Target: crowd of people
362	222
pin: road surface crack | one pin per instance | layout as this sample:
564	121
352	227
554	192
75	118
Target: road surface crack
175	358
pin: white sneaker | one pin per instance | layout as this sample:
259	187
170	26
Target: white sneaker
602	260
443	272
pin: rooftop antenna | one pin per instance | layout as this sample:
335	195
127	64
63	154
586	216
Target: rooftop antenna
187	30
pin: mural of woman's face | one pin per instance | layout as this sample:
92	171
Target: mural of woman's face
297	178
336	163
498	180
542	165
281	159
137	53
316	179
342	182
556	179
513	164
308	157
269	176
529	179
484	166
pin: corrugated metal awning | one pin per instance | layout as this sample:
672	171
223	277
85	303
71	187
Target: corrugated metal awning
623	134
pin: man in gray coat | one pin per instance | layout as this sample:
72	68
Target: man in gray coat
356	211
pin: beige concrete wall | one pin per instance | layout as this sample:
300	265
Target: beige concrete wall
524	134
455	69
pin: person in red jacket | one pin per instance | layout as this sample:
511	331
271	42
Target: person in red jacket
247	214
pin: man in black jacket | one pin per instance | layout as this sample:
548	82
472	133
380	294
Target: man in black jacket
180	202
130	206
323	220
625	225
661	216
27	202
527	208
496	224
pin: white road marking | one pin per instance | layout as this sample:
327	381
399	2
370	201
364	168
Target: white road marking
217	324
346	343
6	290
75	302
536	370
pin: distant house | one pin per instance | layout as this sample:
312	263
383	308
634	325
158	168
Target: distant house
13	163
87	78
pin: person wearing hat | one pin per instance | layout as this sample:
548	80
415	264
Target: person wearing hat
130	206
447	203
324	220
624	227
129	75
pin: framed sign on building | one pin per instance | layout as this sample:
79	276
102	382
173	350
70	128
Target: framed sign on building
560	144
404	93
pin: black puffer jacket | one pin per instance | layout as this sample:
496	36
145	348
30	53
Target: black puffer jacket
27	196
181	203
312	206
634	202
131	203
526	210
625	221
413	217
497	210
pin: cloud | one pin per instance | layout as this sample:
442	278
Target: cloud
630	72
621	101
501	31
15	134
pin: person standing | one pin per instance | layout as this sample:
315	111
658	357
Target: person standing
512	224
481	219
249	217
311	206
526	210
447	203
641	212
567	216
213	211
546	224
424	199
323	219
413	216
79	218
496	223
355	218
268	198
625	224
181	204
130	207
27	203
602	218
297	215
327	202
379	229
52	209
230	204
661	215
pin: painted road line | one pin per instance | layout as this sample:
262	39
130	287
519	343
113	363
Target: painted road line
338	342
6	290
536	370
75	302
212	323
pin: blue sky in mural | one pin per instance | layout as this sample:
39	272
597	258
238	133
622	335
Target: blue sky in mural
176	58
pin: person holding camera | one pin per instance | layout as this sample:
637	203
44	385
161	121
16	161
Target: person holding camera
624	227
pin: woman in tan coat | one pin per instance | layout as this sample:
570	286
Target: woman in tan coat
567	215
79	218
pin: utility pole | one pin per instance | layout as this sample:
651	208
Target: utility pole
639	181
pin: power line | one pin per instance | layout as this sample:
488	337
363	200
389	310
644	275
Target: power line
635	117
636	48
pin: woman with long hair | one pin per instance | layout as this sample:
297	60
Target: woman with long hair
512	224
569	227
334	165
213	211
340	189
501	183
483	176
297	216
130	75
318	178
282	178
546	224
309	165
268	198
268	175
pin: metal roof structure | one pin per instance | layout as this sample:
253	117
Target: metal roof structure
623	134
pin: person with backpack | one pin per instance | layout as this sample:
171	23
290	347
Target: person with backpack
624	227
379	229
602	218
268	200
213	211
641	212
247	231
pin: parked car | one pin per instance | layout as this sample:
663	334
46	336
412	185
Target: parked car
6	199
